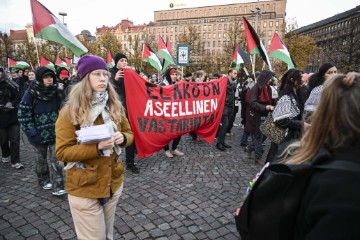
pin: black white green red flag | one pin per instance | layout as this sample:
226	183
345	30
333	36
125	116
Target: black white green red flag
110	60
149	56
279	51
47	26
17	64
239	56
254	44
46	63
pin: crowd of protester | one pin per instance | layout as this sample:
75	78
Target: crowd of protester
41	102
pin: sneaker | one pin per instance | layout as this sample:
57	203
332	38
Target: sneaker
5	159
177	153
248	151
168	154
59	193
47	186
17	166
133	168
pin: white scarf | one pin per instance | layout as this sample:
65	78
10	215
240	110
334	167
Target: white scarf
99	107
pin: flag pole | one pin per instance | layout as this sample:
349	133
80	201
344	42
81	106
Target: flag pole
37	52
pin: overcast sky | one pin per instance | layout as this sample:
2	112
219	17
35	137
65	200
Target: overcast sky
89	14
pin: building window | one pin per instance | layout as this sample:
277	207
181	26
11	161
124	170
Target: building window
225	26
213	52
214	43
219	44
208	44
270	24
209	27
204	35
277	24
214	35
209	35
204	27
270	33
264	25
219	35
175	29
219	27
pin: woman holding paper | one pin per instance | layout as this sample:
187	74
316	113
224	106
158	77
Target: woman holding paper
94	177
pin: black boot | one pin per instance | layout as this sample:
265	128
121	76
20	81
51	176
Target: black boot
226	145
220	147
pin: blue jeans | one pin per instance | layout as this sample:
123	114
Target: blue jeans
256	144
11	134
244	137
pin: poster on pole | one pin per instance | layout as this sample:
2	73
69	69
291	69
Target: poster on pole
183	54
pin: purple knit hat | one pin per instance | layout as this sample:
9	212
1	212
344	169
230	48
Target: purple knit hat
89	63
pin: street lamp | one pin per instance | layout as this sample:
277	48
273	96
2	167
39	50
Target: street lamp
63	14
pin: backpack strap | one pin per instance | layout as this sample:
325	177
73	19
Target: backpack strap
341	165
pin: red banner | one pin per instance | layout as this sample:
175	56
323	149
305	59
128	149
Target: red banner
158	114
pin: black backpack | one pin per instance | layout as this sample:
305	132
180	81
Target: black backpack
270	210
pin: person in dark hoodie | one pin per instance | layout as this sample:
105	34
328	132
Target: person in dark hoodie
117	79
169	79
9	125
37	114
260	105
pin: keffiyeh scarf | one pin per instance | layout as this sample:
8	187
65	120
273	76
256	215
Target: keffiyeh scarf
286	107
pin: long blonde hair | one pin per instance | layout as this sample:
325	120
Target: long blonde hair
78	106
334	124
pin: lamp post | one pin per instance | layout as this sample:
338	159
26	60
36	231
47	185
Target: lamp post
63	14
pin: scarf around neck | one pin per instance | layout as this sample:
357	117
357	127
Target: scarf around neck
42	92
99	106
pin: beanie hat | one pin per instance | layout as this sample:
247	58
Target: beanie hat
64	74
119	56
89	63
42	72
323	69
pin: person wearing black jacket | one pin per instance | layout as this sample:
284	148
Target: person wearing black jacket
117	79
9	125
329	207
228	110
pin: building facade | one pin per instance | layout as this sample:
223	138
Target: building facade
213	22
339	39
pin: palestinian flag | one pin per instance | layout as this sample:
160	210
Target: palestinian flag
110	61
168	45
163	51
68	62
47	26
46	63
17	64
239	56
279	51
149	56
255	46
61	63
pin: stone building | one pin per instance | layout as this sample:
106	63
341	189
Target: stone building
211	22
339	38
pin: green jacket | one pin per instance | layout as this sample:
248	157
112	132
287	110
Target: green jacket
101	173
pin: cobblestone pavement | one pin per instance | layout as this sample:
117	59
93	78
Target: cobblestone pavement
189	197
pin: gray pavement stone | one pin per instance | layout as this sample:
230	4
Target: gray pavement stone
189	197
